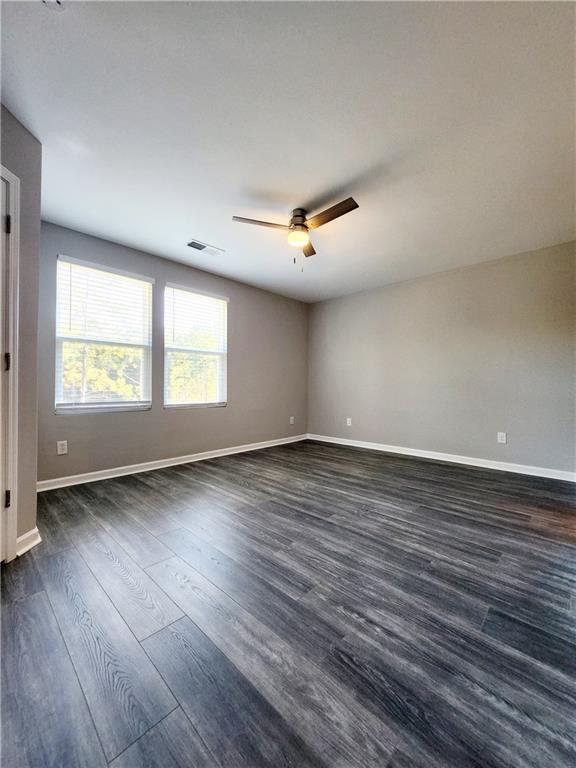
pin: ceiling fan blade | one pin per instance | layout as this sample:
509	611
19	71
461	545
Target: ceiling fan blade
259	223
332	213
308	249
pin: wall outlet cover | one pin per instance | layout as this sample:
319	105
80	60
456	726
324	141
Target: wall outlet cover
502	437
292	420
62	447
348	422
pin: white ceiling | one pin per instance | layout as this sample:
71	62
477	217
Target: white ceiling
451	124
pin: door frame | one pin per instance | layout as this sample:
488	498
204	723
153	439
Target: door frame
11	314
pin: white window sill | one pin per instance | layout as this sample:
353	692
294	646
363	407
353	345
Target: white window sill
176	406
104	408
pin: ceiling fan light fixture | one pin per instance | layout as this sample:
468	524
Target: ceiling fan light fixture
299	224
298	236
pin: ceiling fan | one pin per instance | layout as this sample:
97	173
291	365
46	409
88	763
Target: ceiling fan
299	225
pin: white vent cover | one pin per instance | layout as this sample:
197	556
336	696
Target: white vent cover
53	5
205	249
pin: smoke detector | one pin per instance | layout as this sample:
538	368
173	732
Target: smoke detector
205	248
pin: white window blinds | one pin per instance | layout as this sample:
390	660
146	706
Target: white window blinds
195	348
103	337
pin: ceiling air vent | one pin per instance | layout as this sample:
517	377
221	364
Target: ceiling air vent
207	250
54	5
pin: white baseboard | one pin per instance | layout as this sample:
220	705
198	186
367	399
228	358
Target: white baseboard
147	466
503	466
103	474
27	541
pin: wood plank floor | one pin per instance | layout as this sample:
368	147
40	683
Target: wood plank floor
305	605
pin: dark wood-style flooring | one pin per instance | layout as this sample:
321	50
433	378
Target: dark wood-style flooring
305	605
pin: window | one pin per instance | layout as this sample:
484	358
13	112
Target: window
103	337
195	344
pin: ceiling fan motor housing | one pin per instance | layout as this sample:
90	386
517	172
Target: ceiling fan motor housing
298	218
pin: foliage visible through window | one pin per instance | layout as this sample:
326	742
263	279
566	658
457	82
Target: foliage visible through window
103	337
195	346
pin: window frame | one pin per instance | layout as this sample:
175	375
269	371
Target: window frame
175	406
61	408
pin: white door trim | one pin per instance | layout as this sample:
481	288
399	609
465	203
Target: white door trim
13	257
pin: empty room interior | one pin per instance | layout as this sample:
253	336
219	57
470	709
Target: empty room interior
288	386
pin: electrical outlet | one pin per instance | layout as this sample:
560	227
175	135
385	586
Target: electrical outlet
292	420
62	447
502	437
348	422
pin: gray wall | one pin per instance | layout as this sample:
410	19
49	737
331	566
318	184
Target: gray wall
21	153
267	371
441	363
444	362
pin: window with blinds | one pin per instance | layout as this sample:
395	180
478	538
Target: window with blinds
103	337
195	348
